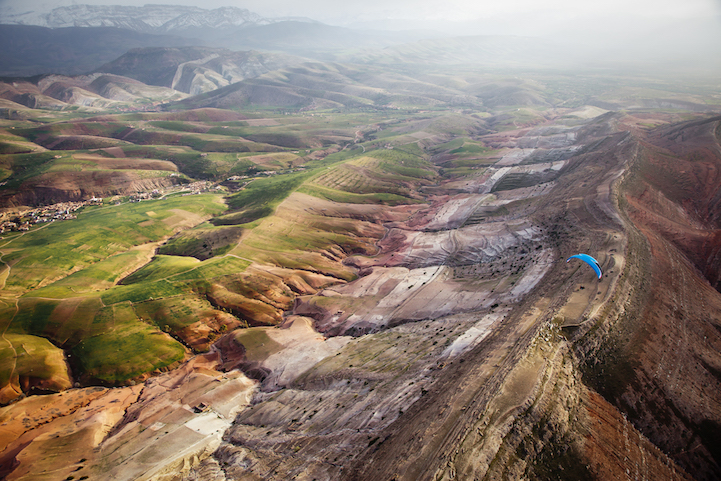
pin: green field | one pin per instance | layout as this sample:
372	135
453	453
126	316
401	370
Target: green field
129	350
49	253
31	356
337	195
382	175
203	242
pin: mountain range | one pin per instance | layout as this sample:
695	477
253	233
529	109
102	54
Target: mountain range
147	19
78	39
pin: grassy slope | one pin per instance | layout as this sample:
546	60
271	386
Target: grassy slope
83	312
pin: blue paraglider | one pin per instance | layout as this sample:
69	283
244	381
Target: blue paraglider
590	261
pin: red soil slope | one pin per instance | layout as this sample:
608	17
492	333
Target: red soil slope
668	370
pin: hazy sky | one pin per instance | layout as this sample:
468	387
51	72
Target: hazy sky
510	16
468	9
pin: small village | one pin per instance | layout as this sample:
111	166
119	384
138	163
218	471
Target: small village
23	220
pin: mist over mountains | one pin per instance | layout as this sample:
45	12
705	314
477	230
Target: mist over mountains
227	57
78	39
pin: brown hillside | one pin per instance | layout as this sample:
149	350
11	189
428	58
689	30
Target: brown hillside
664	366
77	186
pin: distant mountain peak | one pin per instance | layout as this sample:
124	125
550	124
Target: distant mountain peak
216	18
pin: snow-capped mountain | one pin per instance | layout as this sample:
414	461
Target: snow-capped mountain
148	18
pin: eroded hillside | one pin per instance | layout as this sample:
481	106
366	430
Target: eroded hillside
660	364
367	294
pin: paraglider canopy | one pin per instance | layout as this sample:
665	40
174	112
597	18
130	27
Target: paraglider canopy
590	261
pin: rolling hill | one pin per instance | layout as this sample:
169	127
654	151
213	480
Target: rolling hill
195	70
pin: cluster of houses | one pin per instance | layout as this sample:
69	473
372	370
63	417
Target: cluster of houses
9	226
193	188
22	221
50	213
145	196
196	188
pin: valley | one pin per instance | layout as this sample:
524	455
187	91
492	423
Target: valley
296	269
